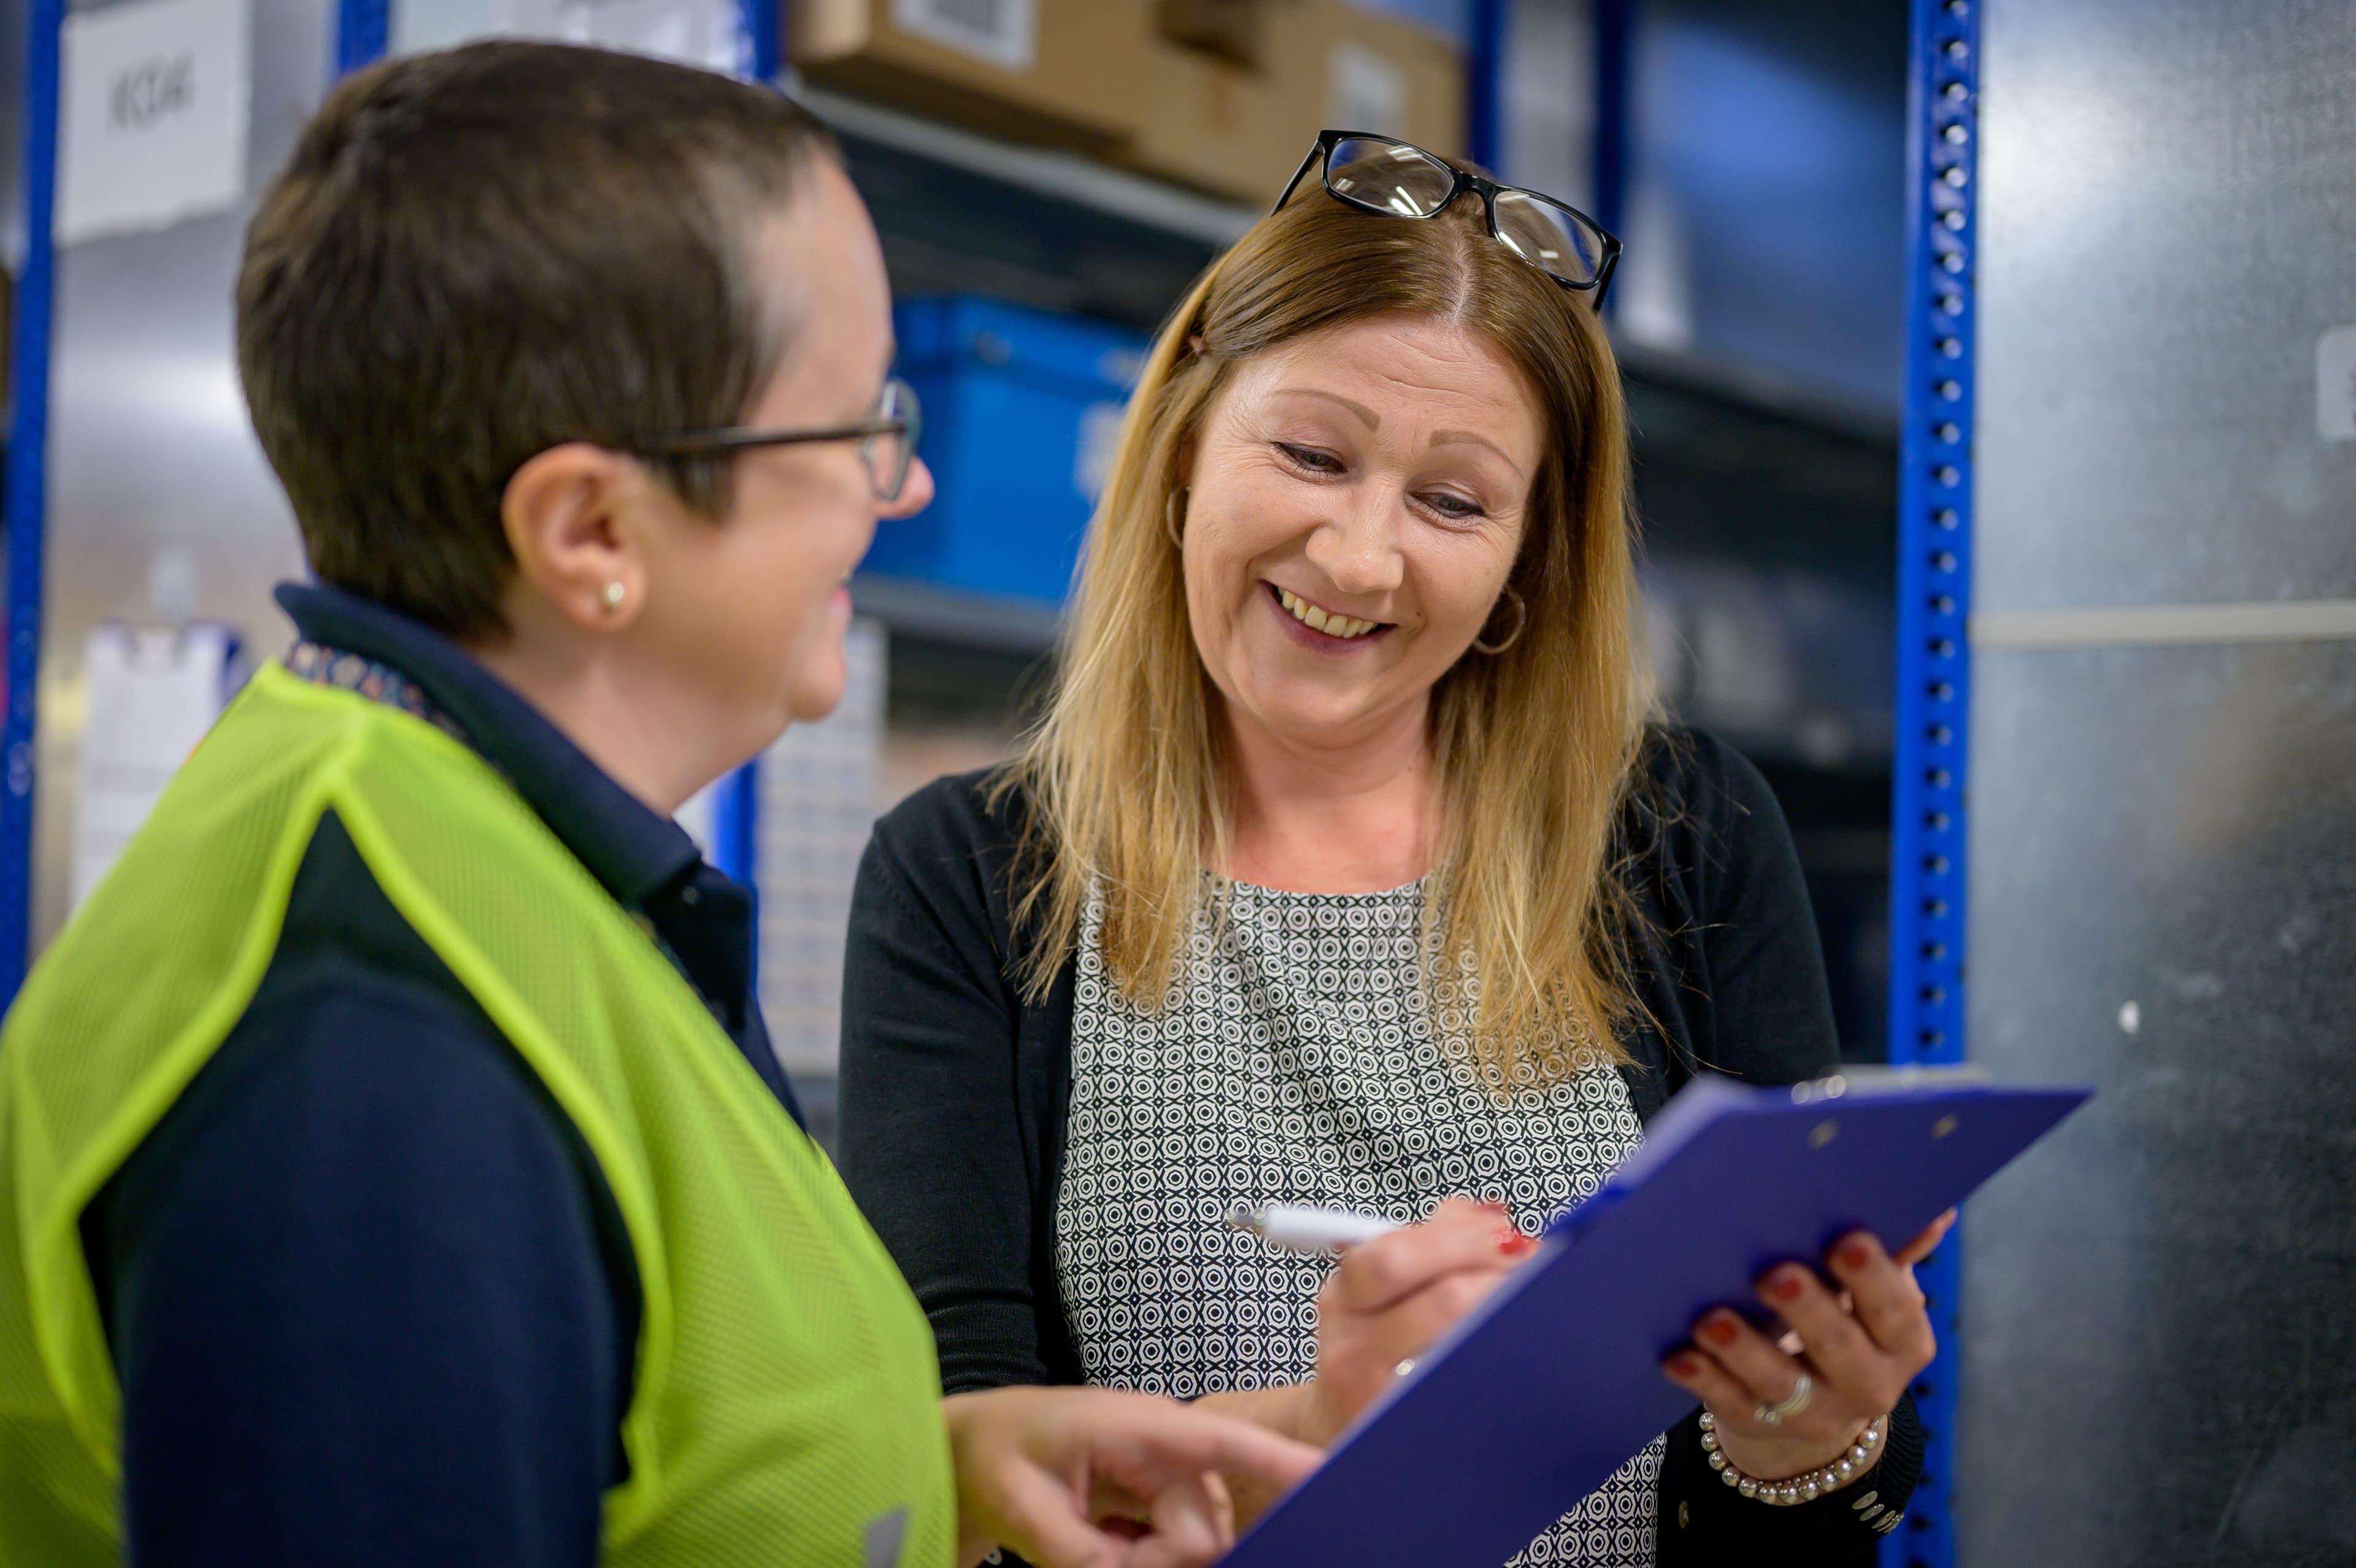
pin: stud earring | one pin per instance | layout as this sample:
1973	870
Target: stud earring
612	596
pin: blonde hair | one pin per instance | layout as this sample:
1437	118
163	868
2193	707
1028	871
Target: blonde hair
1128	792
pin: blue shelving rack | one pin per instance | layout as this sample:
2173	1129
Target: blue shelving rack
28	488
1935	575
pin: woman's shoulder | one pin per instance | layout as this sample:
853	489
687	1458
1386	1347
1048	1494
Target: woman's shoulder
953	839
1692	791
980	809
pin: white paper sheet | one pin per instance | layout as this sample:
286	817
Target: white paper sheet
151	697
155	99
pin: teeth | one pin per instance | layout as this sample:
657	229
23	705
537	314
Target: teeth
1317	620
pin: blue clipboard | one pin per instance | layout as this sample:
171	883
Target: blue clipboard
1554	1381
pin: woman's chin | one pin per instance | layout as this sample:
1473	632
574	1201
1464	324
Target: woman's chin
818	691
1314	721
816	687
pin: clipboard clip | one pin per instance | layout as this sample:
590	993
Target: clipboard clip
1869	1079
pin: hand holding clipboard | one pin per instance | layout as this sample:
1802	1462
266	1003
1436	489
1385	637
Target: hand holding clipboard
1552	1384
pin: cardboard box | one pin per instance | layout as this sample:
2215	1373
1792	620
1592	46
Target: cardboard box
1387	75
1232	29
1061	72
1239	132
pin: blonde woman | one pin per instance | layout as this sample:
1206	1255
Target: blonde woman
1344	868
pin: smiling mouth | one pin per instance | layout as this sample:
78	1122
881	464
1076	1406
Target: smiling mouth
1317	618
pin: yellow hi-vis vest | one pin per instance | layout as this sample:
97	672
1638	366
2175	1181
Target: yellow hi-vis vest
787	1403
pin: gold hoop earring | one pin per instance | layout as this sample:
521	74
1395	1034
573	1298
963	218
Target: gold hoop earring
1521	623
612	596
1170	507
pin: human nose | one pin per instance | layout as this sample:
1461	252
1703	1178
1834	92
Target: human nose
1357	547
916	492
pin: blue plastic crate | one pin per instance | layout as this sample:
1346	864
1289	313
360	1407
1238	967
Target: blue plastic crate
1021	410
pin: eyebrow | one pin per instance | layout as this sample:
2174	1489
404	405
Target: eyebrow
1438	438
1463	437
1371	419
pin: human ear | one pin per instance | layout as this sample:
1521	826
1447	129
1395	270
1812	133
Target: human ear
567	514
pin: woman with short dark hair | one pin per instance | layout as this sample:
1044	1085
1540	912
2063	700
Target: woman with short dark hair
394	1166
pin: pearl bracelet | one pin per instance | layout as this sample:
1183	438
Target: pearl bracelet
1799	1489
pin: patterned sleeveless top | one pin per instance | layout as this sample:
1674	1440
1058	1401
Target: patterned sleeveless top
1301	1059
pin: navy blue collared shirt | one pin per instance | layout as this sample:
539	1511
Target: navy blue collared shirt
370	1298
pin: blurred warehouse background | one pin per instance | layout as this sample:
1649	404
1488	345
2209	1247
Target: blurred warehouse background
2136	347
1049	176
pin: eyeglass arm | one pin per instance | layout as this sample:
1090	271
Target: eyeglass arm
737	438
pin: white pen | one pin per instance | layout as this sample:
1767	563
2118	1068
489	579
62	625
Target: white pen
1300	1228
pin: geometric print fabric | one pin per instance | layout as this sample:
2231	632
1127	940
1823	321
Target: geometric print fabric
1301	1058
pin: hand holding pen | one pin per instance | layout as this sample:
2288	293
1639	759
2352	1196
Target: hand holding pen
1395	1291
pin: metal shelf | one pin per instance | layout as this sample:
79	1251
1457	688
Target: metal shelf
957	614
1062	175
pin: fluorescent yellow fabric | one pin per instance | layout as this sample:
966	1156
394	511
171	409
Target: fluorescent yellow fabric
785	1409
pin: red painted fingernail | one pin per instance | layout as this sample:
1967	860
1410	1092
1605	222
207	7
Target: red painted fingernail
1854	1255
1785	1285
1720	1331
1684	1366
1516	1246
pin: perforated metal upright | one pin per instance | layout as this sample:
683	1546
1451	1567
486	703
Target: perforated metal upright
1935	571
28	435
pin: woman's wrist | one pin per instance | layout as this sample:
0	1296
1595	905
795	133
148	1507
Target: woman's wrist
1773	1454
1772	1483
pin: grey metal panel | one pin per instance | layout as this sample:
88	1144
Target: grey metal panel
1549	99
153	470
2168	213
2159	1353
1766	222
13	22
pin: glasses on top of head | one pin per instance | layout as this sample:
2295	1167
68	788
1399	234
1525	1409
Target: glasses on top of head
887	439
1398	179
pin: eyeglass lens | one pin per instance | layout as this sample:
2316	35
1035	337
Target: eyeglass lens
1548	236
1388	176
1393	177
888	455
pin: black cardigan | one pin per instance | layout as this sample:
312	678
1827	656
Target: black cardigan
954	1088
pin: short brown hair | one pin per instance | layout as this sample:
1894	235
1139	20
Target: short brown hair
475	255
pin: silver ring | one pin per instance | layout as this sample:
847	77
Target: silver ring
1790	1406
1404	1367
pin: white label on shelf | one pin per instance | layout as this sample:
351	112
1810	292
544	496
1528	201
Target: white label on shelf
2335	384
151	114
1003	32
1365	91
707	33
150	696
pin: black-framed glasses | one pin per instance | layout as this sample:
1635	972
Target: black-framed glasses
1400	179
887	439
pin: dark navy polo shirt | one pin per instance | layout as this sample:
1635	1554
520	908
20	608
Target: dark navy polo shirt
369	1297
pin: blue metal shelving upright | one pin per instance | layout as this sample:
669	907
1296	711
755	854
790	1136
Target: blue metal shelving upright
28	480
1934	574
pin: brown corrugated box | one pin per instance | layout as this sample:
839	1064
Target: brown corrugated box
1064	72
1239	132
1232	29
